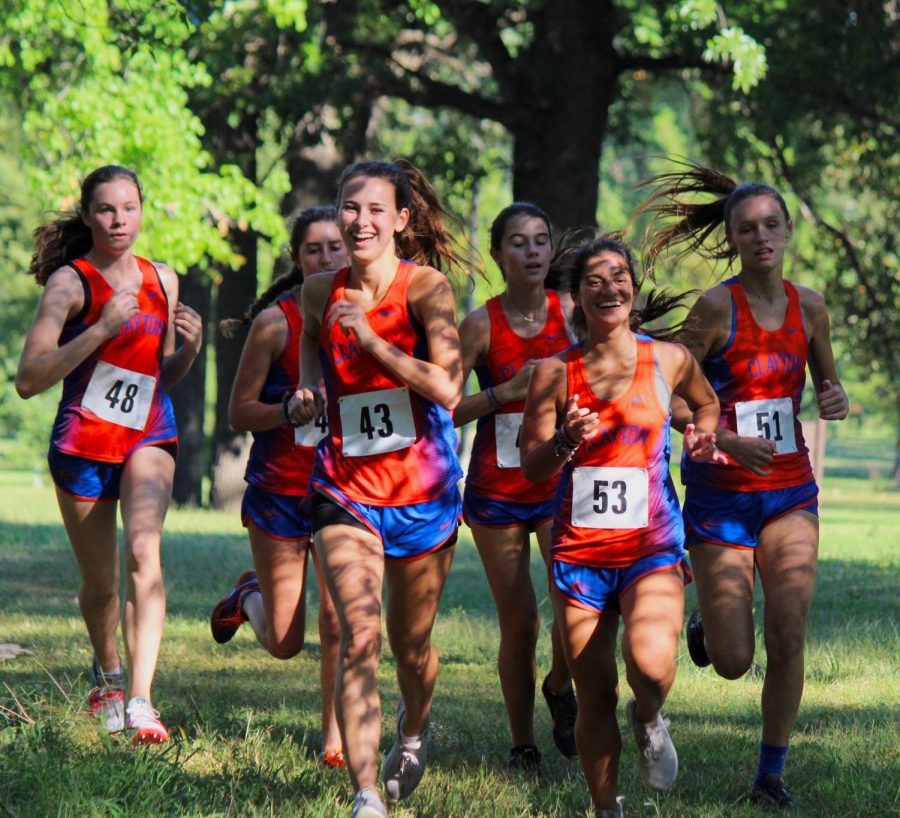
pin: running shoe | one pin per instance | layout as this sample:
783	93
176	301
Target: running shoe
563	712
618	812
526	758
228	615
696	646
773	795
367	804
657	759
332	758
404	765
144	723
106	701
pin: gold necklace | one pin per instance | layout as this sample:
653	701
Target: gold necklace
533	320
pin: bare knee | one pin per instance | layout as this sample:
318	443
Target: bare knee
98	594
285	648
785	641
329	631
733	662
521	629
360	646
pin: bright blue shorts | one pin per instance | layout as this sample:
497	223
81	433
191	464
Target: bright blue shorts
735	518
90	480
280	516
406	532
600	589
494	513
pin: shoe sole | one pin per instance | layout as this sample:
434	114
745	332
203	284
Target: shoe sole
694	635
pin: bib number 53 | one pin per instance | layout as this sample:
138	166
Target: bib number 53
610	497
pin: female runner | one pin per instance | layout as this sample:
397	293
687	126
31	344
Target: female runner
502	340
600	412
754	335
383	334
105	327
278	472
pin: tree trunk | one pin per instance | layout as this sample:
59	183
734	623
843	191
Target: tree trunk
189	400
236	292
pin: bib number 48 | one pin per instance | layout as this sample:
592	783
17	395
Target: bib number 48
120	396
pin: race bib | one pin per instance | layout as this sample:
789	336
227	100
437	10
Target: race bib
376	422
771	419
507	429
610	497
119	395
311	433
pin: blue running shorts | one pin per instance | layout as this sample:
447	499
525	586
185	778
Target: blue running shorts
735	518
493	513
406	532
280	516
600	589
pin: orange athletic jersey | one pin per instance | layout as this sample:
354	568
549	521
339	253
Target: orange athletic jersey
759	377
387	445
494	469
281	459
115	401
617	502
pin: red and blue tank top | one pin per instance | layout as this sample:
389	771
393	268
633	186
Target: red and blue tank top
616	500
759	378
494	468
281	459
387	445
115	401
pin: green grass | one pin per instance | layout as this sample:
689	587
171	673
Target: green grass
246	727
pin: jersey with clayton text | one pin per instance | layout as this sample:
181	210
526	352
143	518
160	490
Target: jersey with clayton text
617	502
115	401
494	469
281	459
759	377
387	445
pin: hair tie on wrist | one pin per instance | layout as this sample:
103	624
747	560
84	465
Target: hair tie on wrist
493	398
285	414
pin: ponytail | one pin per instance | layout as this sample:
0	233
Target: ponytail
571	261
294	278
680	221
68	237
426	240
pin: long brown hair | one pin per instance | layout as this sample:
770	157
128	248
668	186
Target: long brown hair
681	221
67	237
426	240
293	278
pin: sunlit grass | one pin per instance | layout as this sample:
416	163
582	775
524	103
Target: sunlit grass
246	727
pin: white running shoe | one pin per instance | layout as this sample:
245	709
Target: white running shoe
106	701
144	723
367	804
404	765
657	759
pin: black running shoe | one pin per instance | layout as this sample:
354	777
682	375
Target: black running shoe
772	794
524	759
563	712
696	648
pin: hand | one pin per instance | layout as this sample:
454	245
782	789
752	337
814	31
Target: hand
119	310
351	318
833	402
580	423
701	446
517	386
189	326
305	405
754	453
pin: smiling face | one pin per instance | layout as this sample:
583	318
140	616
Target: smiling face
524	251
758	229
114	216
321	249
369	218
606	291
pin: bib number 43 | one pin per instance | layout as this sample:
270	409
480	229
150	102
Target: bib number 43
376	422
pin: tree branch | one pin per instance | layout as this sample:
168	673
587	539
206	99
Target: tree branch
671	62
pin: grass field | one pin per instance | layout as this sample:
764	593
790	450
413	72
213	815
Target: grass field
245	727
